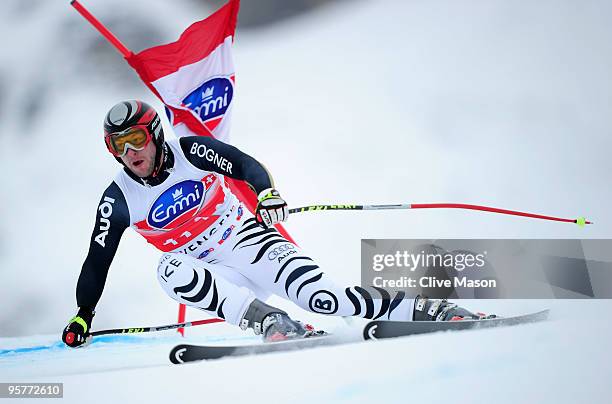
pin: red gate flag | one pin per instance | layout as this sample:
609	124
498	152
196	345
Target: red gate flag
194	76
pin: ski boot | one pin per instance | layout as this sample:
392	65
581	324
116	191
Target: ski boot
274	324
442	310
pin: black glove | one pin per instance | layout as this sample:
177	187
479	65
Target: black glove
76	332
271	208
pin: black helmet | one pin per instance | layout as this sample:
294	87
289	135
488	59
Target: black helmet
131	114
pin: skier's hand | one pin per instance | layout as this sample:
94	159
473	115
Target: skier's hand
271	208
76	332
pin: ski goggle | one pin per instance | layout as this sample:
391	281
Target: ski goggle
135	138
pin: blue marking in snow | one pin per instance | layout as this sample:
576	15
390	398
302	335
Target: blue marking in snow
30	349
60	345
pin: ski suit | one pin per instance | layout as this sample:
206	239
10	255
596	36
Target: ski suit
216	257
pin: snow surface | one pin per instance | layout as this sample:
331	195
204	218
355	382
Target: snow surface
563	360
490	102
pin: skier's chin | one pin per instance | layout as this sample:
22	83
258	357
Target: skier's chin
141	169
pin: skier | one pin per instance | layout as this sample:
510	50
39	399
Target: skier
217	257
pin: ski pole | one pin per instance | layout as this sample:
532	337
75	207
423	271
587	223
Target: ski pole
137	330
581	221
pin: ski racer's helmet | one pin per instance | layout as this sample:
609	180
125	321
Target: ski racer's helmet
133	124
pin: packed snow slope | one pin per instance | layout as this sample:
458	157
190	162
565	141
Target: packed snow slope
563	360
489	102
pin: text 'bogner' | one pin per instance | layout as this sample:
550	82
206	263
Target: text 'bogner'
209	154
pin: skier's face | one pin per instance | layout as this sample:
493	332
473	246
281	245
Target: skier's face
140	162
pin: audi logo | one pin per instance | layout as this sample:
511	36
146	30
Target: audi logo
279	250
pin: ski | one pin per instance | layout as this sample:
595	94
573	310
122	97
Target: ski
184	353
188	353
392	329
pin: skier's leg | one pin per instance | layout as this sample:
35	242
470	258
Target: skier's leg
204	286
279	266
224	293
